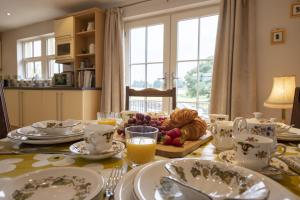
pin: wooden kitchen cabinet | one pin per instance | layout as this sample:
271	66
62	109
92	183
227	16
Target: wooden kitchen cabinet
71	105
32	106
12	99
64	27
50	105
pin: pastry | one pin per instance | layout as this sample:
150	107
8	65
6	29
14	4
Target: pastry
195	129
181	117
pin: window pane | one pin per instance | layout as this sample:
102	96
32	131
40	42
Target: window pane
50	46
205	80
54	68
29	70
38	69
137	45
28	49
37	48
155	43
187	48
208	31
137	77
154	73
187	84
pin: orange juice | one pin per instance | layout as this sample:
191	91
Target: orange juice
107	122
141	150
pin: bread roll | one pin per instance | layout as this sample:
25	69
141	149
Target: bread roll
181	117
195	129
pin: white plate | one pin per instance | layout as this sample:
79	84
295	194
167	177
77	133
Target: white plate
229	157
33	133
59	183
148	179
124	189
79	148
16	137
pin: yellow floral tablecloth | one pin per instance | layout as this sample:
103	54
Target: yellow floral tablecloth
14	165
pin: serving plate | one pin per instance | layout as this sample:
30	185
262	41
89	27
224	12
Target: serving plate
152	174
59	183
80	149
33	133
16	137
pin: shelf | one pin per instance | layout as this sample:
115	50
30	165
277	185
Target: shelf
83	69
86	33
85	55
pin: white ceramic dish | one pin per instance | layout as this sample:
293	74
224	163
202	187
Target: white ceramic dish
59	183
58	128
80	149
124	189
33	133
15	137
152	173
229	157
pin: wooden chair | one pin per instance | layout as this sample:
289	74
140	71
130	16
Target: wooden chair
150	92
4	122
296	109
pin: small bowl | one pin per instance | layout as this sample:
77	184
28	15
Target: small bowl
53	127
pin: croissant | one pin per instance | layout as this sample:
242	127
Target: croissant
195	129
169	124
181	117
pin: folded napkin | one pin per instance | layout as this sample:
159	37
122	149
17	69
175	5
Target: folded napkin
295	131
292	161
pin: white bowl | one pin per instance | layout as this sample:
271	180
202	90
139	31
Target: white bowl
60	127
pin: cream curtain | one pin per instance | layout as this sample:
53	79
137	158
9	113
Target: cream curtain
112	95
234	72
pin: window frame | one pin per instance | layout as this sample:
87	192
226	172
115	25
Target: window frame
44	58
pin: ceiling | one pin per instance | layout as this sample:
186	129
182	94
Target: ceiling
25	12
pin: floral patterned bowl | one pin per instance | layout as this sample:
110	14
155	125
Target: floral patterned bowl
218	180
53	127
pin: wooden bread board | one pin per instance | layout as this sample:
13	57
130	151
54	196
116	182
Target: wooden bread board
179	152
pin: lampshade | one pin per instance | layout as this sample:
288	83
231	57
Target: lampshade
282	94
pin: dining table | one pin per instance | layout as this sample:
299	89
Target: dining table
15	165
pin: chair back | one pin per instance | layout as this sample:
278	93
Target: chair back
296	109
150	92
4	122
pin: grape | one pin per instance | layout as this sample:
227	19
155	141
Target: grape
147	118
158	123
139	122
140	116
131	121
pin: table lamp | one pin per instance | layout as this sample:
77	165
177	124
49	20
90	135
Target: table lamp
282	94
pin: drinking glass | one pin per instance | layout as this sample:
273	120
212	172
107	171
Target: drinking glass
141	144
109	118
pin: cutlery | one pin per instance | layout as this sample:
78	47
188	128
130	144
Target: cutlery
114	177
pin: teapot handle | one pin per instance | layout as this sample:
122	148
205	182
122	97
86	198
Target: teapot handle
239	124
213	129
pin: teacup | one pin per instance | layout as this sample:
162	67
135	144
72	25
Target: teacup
222	135
218	117
255	151
257	127
98	138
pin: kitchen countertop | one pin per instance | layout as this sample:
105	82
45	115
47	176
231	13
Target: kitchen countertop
50	88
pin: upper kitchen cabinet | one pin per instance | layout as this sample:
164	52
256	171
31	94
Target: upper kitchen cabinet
64	27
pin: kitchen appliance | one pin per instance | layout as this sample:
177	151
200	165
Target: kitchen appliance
65	79
64	49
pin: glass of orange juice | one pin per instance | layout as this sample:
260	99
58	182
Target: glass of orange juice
141	144
109	118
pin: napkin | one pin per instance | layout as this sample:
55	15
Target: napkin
295	131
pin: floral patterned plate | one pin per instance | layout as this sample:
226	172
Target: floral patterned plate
147	183
55	184
229	157
80	149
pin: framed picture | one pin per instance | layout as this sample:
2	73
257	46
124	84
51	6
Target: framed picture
278	36
295	9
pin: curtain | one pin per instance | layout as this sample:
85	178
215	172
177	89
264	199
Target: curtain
234	71
112	95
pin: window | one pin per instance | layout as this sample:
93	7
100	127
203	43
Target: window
38	58
176	50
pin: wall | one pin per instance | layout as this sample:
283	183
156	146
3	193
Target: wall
276	60
9	43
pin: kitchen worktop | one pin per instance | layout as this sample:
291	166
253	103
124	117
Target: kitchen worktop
50	88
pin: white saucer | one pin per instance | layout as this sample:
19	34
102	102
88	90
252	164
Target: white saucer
229	157
79	148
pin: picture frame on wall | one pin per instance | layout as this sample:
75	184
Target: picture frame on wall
278	36
295	9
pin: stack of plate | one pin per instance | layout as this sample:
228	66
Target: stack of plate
37	134
218	180
293	134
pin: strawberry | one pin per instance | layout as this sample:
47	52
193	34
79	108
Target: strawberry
174	133
178	142
166	140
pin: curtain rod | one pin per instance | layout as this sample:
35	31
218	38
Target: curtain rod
133	4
